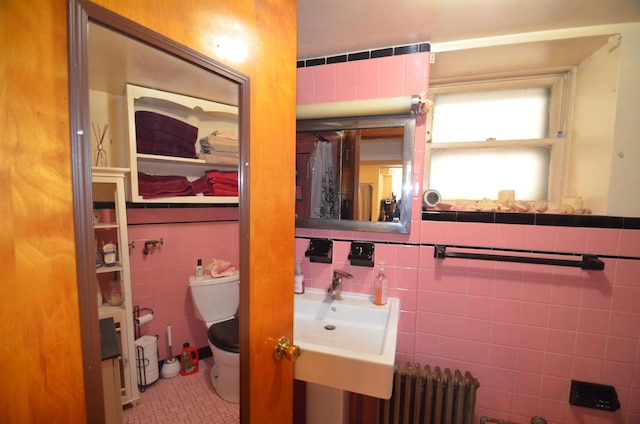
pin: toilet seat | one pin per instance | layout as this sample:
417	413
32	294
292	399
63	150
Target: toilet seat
225	335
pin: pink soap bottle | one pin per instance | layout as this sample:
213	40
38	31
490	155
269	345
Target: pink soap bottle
380	284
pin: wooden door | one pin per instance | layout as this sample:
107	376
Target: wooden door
267	175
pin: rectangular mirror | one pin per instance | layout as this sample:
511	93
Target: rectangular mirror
354	173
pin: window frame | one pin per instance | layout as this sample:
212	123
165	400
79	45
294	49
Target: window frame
561	90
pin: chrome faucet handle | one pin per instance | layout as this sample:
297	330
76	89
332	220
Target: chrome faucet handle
335	291
339	274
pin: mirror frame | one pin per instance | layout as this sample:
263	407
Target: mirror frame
408	122
80	13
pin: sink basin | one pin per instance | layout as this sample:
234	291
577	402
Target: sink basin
347	344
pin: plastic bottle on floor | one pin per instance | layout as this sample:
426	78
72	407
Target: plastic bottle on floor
188	360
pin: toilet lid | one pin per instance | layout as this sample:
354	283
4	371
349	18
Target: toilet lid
224	335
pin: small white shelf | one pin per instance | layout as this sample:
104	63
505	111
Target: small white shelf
168	159
106	226
105	269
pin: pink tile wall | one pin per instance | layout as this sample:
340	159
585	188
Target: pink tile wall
159	280
524	330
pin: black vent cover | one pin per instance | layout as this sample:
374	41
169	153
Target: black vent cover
592	395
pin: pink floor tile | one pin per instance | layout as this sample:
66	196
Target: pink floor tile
183	399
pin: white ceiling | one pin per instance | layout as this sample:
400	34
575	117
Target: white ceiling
116	60
331	27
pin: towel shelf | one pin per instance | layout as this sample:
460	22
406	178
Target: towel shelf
588	262
207	116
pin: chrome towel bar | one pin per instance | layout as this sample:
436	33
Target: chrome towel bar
588	262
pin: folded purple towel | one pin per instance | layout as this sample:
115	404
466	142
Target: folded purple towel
151	144
157	134
166	124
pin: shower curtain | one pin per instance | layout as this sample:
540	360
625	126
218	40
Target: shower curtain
323	190
365	198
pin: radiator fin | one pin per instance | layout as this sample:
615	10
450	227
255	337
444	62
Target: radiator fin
429	396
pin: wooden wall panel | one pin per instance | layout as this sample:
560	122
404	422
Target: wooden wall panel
40	357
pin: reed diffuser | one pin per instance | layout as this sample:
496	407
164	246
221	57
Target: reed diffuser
101	158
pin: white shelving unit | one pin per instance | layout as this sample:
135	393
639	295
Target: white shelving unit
206	115
109	186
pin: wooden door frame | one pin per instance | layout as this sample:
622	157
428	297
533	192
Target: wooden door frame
80	13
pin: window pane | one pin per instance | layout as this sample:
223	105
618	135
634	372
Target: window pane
479	173
504	115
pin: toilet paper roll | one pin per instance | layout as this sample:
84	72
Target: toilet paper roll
144	319
147	360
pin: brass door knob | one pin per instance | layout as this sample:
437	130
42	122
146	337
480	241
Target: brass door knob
286	349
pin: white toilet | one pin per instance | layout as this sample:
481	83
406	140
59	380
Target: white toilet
216	302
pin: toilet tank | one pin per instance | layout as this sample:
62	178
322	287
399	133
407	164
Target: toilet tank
215	299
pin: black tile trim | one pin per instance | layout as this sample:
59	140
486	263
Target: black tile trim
381	53
358	56
316	62
406	49
195	221
515	218
592	221
337	59
131	205
363	55
631	223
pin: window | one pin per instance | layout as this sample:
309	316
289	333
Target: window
497	135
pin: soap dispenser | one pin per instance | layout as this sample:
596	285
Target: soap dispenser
298	280
380	285
199	269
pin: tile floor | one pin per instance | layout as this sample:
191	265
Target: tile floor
187	399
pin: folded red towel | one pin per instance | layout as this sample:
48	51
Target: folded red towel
224	183
201	185
222	176
223	192
153	186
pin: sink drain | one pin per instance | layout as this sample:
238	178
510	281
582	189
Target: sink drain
329	327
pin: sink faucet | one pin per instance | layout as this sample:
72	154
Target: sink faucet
335	291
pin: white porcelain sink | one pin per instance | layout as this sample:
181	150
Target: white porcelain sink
347	344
